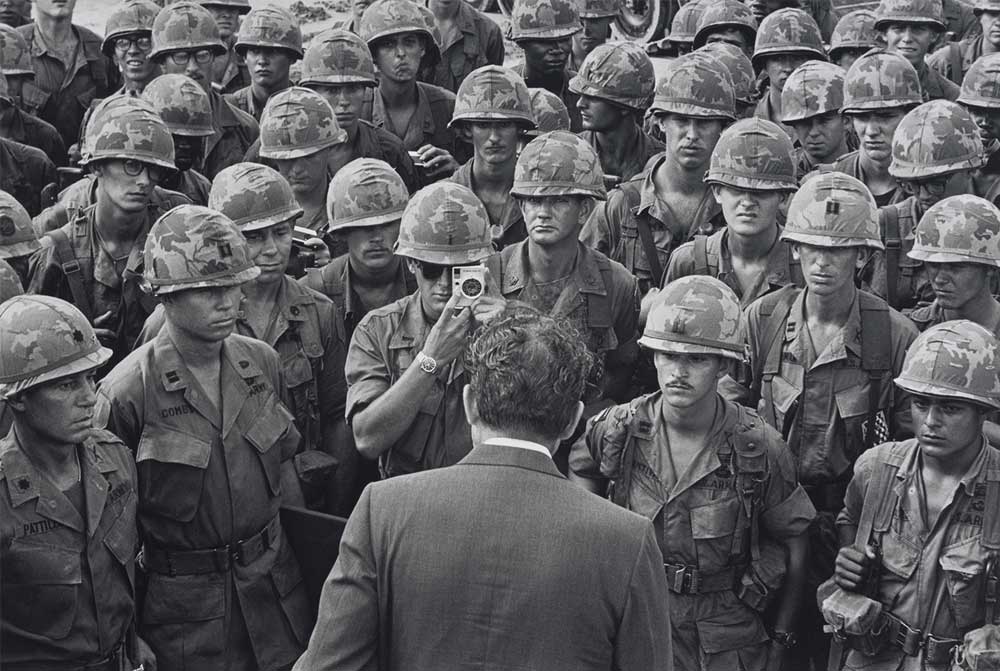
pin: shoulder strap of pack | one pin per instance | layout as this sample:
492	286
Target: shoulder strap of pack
649	248
880	498
774	309
875	360
991	522
701	265
750	469
62	250
639	426
893	244
955	61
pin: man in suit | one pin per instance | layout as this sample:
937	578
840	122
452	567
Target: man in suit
498	562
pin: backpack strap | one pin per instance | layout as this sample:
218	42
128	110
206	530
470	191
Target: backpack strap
649	248
701	265
893	245
774	309
875	359
880	498
640	426
955	61
62	251
750	468
991	523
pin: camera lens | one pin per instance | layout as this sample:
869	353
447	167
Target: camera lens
471	288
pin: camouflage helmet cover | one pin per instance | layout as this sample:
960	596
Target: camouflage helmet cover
855	30
128	18
15	59
387	18
298	122
722	14
241	6
131	131
930	12
17	237
832	209
365	192
446	224
981	86
272	27
182	104
254	196
786	31
559	164
879	80
696	314
599	9
980	6
738	65
193	247
44	338
185	26
493	93
620	73
337	57
685	22
936	138
696	85
814	88
10	282
113	106
957	359
544	20
753	154
549	111
959	229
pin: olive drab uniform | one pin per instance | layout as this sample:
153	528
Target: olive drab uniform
641	150
24	171
32	131
229	71
901	280
478	41
510	229
428	125
67	558
568	98
954	59
850	164
720	523
235	131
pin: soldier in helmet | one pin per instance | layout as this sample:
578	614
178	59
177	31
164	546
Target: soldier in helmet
615	86
751	175
204	411
15	123
128	41
229	72
549	111
662	452
738	65
544	30
820	365
493	112
269	41
728	21
68	544
185	41
95	260
812	103
17	238
918	532
912	29
854	35
954	59
786	39
981	98
404	366
684	25
645	219
935	149
823	12
402	43
469	40
596	17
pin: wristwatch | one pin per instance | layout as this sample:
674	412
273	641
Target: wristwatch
786	639
427	364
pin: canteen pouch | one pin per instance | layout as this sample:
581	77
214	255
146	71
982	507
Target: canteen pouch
854	617
980	650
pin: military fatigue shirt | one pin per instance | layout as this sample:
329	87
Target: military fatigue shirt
24	171
641	149
936	86
613	227
429	123
781	269
477	42
932	578
210	477
911	284
383	346
764	110
32	131
243	99
954	59
933	314
568	97
68	574
850	164
700	518
960	20
235	131
986	180
192	184
510	228
229	72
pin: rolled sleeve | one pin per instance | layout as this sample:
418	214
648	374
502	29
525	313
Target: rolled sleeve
367	371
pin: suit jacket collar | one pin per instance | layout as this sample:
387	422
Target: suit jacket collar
500	455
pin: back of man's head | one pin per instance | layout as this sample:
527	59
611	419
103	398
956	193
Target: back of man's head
527	373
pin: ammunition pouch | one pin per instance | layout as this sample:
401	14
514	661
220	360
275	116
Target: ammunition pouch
980	650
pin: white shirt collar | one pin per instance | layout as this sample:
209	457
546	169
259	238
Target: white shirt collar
521	444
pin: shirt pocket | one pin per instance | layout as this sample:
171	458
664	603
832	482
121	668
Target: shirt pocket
783	401
40	587
732	631
290	587
265	434
33	97
964	565
183	619
301	384
171	467
713	527
122	539
852	407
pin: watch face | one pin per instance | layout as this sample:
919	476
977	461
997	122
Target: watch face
428	365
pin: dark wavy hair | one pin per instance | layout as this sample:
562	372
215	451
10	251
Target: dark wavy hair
527	371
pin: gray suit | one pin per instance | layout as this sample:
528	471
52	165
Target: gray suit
496	563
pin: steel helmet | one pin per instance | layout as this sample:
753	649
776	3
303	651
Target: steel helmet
959	229
599	9
753	154
44	339
336	57
696	85
814	88
253	196
493	93
241	6
559	164
957	359
549	111
544	20
980	6
620	73
446	224
182	104
193	247
15	59
930	12
17	237
879	80
833	209
855	30
936	138
981	86
365	192
185	26
298	122
387	18
128	18
10	282
722	14
787	31
685	22
272	27
111	107
696	314
740	70
137	132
